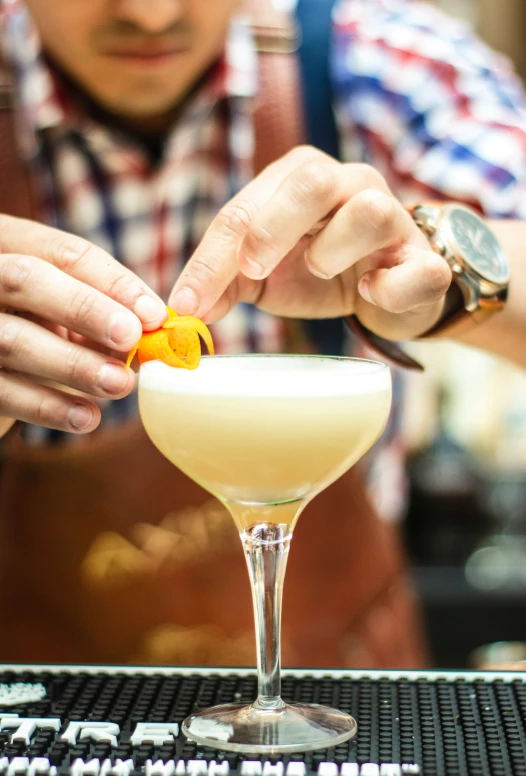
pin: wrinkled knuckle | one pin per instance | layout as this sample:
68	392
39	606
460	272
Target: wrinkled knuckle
124	288
317	181
81	306
377	212
15	274
46	412
438	277
5	392
67	253
10	333
235	219
76	366
259	240
203	268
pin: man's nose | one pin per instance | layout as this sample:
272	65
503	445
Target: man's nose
150	15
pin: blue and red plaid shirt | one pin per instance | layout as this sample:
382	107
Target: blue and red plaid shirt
417	96
429	105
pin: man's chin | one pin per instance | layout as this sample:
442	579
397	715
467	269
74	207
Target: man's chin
141	108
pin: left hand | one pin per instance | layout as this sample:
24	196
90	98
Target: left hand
313	238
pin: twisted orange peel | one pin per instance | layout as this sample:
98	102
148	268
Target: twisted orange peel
176	343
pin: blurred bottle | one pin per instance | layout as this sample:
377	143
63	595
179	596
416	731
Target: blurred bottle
499	656
499	562
446	516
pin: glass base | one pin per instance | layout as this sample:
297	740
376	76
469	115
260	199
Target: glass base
297	727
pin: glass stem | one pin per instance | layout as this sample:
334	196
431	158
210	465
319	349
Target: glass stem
266	548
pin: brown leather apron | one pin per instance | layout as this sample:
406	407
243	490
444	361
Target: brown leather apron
111	554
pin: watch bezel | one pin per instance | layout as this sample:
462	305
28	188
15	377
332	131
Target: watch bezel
445	230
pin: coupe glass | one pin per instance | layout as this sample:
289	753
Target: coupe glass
265	434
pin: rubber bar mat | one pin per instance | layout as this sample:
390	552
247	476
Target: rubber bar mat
113	721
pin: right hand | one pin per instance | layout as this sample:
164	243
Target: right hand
65	306
311	237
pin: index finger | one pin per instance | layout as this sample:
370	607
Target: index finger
84	261
214	264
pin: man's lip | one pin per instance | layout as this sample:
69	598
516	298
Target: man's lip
146	54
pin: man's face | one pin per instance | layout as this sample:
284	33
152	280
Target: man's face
136	58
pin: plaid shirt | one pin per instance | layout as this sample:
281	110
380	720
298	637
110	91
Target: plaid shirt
429	105
417	96
99	184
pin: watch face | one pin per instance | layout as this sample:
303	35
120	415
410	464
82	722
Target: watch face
478	246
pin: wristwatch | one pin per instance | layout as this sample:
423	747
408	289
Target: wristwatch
480	274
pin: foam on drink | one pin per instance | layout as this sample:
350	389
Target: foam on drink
260	430
269	376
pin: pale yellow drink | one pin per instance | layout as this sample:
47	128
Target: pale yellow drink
256	431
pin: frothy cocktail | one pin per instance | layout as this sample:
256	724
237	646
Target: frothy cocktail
265	434
257	430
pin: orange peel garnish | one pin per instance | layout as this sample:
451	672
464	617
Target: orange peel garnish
176	343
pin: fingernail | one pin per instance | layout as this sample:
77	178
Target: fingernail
80	417
123	328
319	273
149	309
185	301
363	288
314	270
255	270
113	379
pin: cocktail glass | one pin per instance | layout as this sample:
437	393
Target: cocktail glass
265	434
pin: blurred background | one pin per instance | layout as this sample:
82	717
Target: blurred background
465	526
502	23
466	434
